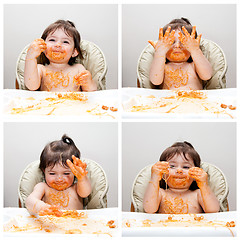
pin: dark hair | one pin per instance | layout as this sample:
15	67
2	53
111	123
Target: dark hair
177	24
70	29
188	152
58	152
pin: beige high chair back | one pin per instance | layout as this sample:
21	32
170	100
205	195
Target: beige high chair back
211	51
97	199
94	61
216	179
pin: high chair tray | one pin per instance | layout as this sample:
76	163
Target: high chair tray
181	225
18	223
182	104
81	105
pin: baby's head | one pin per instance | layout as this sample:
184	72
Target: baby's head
181	156
70	32
178	53
53	164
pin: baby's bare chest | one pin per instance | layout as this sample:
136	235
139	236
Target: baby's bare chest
59	80
179	204
67	199
181	76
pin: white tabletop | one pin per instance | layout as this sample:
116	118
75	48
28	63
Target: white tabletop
137	231
75	109
20	217
140	96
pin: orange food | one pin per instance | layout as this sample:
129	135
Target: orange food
175	206
55	79
223	105
231	107
230	224
105	107
176	78
113	109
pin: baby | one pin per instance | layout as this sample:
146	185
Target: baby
59	190
178	61
178	185
59	46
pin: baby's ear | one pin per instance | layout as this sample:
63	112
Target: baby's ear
75	53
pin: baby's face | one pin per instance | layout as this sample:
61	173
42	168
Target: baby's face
177	53
178	172
59	177
60	47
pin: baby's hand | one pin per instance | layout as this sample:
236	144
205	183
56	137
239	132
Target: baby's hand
51	210
78	168
189	41
36	48
160	168
165	42
82	78
199	175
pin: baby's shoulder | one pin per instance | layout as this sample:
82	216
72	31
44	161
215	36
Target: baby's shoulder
78	66
41	185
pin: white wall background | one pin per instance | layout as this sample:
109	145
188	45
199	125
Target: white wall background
24	142
25	22
143	143
141	23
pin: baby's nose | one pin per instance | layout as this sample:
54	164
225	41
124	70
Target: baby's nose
177	44
179	170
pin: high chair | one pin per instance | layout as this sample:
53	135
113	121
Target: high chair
94	61
211	51
216	179
32	175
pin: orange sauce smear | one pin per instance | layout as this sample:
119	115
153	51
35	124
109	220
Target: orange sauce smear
55	79
178	206
56	55
59	198
176	78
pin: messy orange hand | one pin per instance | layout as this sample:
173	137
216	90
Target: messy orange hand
78	168
36	48
199	175
160	168
51	210
164	42
82	78
189	41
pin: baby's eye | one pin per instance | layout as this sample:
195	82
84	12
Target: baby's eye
186	167
51	173
51	40
172	166
66	42
67	173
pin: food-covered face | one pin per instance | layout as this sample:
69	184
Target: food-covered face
177	53
59	177
60	46
178	177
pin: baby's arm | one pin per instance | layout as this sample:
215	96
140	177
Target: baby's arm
156	74
33	71
202	65
152	196
78	168
84	79
206	197
33	202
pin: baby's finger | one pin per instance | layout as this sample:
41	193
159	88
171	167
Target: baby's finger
172	35
193	32
152	43
185	32
160	36
167	31
199	38
71	165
